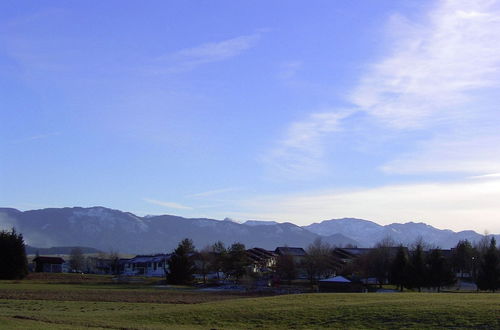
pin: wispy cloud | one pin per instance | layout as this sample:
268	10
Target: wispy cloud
288	71
450	153
190	58
445	79
170	205
441	78
435	66
49	13
214	192
456	205
486	176
36	137
302	148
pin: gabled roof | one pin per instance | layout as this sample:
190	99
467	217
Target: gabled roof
350	253
356	251
290	251
336	279
148	258
258	254
49	260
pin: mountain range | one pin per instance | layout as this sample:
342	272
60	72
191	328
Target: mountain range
113	230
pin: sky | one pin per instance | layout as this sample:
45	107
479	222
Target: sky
297	111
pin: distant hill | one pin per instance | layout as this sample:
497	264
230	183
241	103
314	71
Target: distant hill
107	230
59	250
259	222
369	233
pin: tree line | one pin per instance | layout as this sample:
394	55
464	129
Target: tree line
414	267
101	262
421	266
185	261
407	267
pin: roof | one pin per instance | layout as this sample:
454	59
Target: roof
336	279
148	258
49	260
350	253
356	251
291	251
445	252
259	254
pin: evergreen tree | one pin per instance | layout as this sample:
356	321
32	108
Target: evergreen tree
218	257
489	269
398	268
13	261
181	264
462	258
439	271
416	272
236	261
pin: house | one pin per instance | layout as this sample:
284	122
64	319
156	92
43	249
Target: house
48	264
297	253
447	253
346	255
106	266
340	284
103	266
146	265
261	260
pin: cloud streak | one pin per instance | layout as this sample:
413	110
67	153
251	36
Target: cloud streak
440	78
450	153
301	149
435	66
190	58
170	205
456	205
214	192
36	137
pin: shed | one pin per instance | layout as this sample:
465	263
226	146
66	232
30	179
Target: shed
48	264
339	284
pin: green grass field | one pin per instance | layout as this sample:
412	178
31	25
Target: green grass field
35	304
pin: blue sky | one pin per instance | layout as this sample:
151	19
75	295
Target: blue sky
277	110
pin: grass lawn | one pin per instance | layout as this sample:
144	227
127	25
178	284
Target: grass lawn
92	288
135	307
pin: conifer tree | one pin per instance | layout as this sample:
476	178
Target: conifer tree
236	261
398	268
462	258
219	255
13	261
489	269
181	264
439	271
416	272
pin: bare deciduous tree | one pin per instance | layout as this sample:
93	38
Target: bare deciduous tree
76	259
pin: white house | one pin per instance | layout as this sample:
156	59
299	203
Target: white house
149	265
